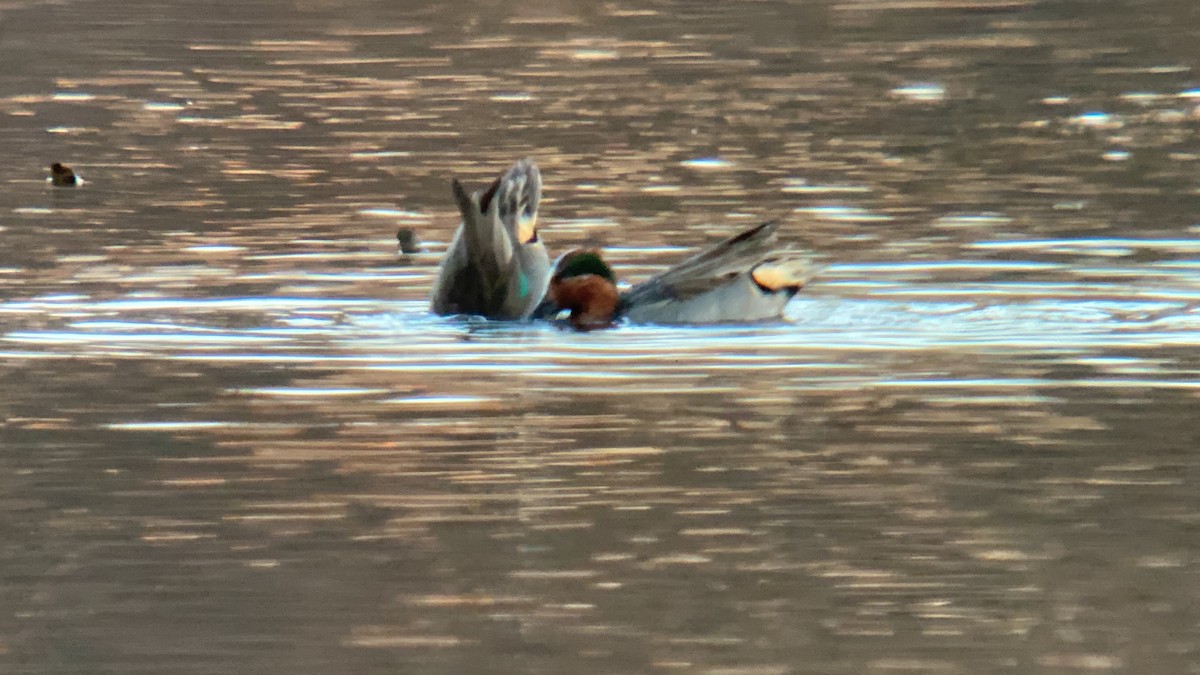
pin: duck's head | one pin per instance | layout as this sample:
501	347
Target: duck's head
584	284
61	174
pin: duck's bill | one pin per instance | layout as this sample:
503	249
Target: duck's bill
547	310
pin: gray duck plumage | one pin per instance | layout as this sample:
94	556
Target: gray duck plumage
496	266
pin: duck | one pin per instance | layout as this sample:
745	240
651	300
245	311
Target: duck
744	278
61	175
407	242
496	265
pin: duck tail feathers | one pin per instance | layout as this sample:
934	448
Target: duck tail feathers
786	271
481	231
509	205
520	184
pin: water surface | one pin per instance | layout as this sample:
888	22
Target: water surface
235	441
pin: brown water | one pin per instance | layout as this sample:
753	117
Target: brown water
234	441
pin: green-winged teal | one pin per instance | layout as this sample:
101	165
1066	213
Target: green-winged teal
496	266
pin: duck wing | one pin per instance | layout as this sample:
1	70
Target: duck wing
708	269
490	218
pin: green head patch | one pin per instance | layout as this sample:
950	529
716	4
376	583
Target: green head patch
579	263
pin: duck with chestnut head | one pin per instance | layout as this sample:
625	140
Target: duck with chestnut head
742	279
584	285
496	266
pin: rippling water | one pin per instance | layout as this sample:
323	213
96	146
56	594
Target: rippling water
233	440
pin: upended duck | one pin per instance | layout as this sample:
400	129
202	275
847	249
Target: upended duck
742	279
496	267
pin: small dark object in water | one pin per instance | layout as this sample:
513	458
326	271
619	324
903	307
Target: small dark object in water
407	239
62	175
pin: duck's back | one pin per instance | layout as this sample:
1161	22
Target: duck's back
713	286
736	300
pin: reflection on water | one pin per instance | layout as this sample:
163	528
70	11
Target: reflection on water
234	440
